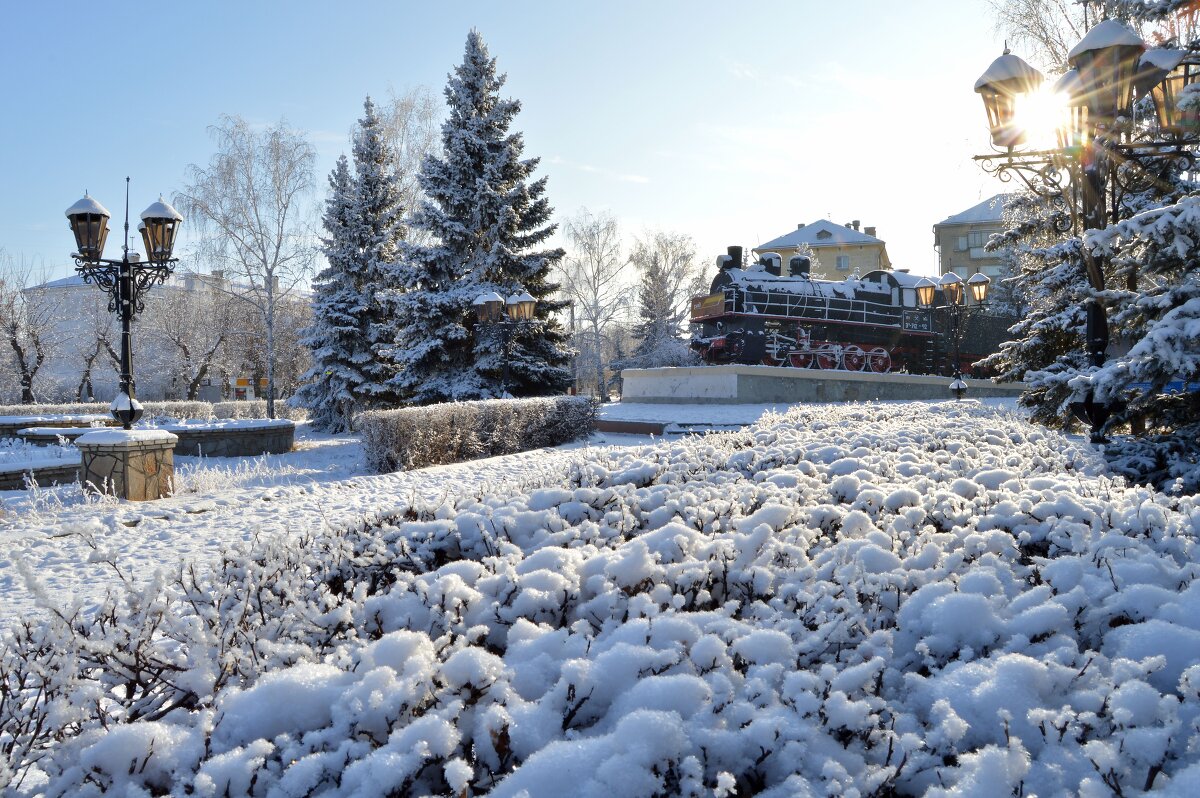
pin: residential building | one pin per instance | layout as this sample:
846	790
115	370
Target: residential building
960	240
187	321
840	249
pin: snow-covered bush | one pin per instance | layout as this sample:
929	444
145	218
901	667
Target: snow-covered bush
415	437
202	411
862	600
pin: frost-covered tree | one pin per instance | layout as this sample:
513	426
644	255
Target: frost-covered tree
248	204
364	226
191	327
485	219
594	282
29	325
668	277
1142	252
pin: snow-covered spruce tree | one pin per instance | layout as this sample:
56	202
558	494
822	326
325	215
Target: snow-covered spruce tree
486	219
364	225
668	278
1046	348
1160	319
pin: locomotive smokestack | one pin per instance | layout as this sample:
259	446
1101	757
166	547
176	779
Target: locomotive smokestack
799	265
735	258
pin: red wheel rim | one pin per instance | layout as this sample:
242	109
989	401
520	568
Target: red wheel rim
853	359
880	360
826	359
801	360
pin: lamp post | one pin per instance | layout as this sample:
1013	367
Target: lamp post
506	314
1100	153
125	280
954	303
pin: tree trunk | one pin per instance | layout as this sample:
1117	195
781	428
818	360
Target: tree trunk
84	391
270	319
601	393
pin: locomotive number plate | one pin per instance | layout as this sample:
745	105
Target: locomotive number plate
916	321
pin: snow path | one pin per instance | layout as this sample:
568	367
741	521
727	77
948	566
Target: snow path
221	502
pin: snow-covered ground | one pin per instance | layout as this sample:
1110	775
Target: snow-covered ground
843	600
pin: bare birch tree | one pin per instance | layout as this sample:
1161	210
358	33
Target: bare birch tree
249	205
195	325
29	324
594	279
412	123
96	339
669	276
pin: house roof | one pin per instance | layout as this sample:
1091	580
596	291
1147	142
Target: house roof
63	282
839	234
990	210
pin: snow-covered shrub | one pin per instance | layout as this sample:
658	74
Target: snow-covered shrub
257	408
415	437
865	600
201	411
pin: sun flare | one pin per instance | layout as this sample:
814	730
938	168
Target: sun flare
1040	114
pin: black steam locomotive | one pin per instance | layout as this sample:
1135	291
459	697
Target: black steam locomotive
758	313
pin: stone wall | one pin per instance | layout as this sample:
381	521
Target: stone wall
10	424
275	437
12	475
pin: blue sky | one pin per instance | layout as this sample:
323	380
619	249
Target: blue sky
731	122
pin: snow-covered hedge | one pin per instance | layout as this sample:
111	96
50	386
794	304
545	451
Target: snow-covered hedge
415	437
255	408
882	600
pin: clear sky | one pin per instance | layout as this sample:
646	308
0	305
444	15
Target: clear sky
729	121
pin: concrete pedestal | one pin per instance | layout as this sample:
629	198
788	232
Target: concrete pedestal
137	465
769	384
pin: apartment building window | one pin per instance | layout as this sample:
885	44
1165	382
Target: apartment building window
843	263
962	244
978	239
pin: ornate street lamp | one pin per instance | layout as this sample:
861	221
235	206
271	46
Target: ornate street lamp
1100	153
956	308
126	280
507	315
1007	80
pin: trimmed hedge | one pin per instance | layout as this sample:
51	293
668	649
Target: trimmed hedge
201	411
415	437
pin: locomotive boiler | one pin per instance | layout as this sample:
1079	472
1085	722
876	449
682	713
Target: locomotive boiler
763	313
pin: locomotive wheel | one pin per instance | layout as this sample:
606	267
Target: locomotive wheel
801	360
853	358
879	360
827	358
767	360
